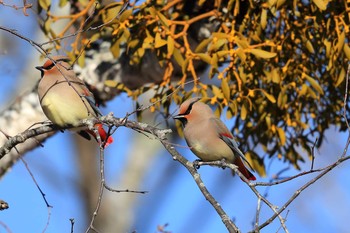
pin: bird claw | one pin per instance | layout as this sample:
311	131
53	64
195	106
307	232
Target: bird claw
223	164
196	164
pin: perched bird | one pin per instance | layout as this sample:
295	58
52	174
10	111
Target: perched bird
65	99
208	137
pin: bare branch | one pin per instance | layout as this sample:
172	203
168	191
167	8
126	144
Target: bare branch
302	188
223	164
36	45
231	227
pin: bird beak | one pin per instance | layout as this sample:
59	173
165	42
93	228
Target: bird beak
39	68
178	117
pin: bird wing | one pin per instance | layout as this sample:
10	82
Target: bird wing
228	138
91	101
89	97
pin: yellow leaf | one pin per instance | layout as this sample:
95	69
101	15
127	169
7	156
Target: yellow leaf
280	3
263	18
256	162
243	44
45	4
268	96
185	65
163	19
110	83
340	77
214	61
309	46
217	92
95	37
204	57
218	111
152	11
47	25
218	44
303	90
229	113
115	49
281	135
233	107
262	53
244	112
268	121
311	93
81	59
272	2
313	83
321	4
347	51
328	45
159	42
281	99
125	15
225	88
133	43
341	40
220	35
62	3
241	54
178	57
203	45
109	14
223	53
275	76
170	45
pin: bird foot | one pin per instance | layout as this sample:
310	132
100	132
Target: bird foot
196	164
223	164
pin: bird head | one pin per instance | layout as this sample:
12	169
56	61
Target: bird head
50	64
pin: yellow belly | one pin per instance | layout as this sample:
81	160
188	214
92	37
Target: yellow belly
217	152
63	111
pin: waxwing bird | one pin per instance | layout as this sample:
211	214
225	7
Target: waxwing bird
65	99
208	137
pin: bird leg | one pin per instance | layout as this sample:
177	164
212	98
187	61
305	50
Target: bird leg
223	163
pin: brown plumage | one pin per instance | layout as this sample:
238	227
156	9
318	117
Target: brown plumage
65	99
208	137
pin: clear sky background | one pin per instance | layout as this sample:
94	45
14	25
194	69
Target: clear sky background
323	207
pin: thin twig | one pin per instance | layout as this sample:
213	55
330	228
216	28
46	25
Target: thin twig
72	221
302	188
7	229
345	102
100	193
36	45
313	155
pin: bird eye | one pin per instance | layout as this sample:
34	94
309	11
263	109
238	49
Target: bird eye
189	109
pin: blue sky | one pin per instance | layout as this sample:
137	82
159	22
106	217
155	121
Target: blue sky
173	196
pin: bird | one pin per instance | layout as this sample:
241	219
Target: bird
208	137
66	100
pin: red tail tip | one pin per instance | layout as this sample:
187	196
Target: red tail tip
109	141
103	135
252	177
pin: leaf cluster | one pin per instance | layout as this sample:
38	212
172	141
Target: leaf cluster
278	67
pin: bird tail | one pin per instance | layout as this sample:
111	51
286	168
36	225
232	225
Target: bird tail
238	162
101	132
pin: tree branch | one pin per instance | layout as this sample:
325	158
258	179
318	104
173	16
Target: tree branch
231	227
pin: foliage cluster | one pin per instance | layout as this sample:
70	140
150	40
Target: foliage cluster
278	67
